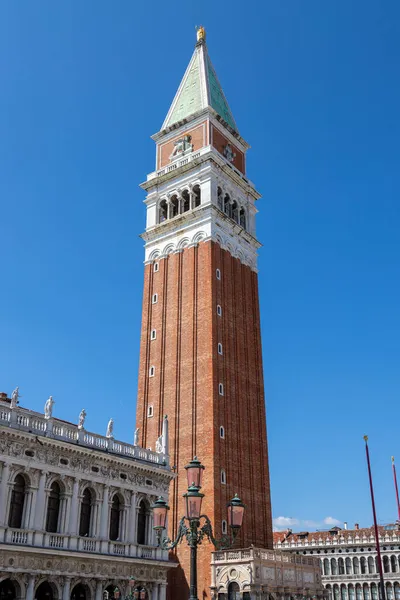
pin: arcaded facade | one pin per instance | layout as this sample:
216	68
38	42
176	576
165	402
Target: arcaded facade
75	516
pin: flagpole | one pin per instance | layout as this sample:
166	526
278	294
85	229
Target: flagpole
396	488
378	548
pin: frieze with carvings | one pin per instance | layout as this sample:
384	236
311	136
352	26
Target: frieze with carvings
87	566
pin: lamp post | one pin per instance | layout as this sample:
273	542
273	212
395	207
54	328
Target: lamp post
193	531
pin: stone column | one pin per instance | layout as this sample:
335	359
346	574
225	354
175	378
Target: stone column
38	516
104	520
30	588
168	208
66	591
154	592
162	592
131	537
73	516
5	473
99	591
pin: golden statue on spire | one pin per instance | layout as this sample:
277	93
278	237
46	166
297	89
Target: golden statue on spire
201	34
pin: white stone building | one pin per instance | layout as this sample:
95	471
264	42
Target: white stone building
260	574
75	518
349	559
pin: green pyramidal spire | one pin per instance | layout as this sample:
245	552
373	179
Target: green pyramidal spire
199	89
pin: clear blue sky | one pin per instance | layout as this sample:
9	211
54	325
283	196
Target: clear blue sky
314	87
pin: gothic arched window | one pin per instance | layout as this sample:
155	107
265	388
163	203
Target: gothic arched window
235	211
17	503
227	205
196	196
393	562
386	565
348	566
371	564
242	218
220	199
141	525
341	566
363	563
162	211
358	592
185	201
327	570
86	513
53	508
115	517
356	565
173	206
334	566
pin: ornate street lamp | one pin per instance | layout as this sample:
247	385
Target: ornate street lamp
193	533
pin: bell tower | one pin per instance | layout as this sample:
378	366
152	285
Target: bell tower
200	350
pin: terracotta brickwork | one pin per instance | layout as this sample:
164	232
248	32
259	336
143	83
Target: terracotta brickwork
199	139
185	386
219	141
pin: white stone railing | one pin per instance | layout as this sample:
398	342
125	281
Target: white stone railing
59	541
187	158
257	553
31	421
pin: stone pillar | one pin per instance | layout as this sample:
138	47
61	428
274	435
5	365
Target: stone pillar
131	537
168	209
104	520
99	591
162	591
66	591
5	473
154	592
73	517
30	588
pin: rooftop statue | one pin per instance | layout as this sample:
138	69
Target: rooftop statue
82	417
110	429
48	408
14	398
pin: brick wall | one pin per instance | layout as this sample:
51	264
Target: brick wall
199	139
185	386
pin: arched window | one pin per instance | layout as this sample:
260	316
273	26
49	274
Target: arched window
359	595
8	590
356	565
227	205
53	508
220	199
224	528
233	591
396	591
173	206
389	592
235	211
363	563
242	218
162	211
343	592
336	592
17	503
86	513
222	432
348	566
371	564
374	591
351	592
196	196
334	566
386	564
223	477
185	202
327	570
366	591
115	517
341	566
393	562
141	524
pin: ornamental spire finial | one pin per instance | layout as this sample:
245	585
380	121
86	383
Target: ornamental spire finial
201	34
